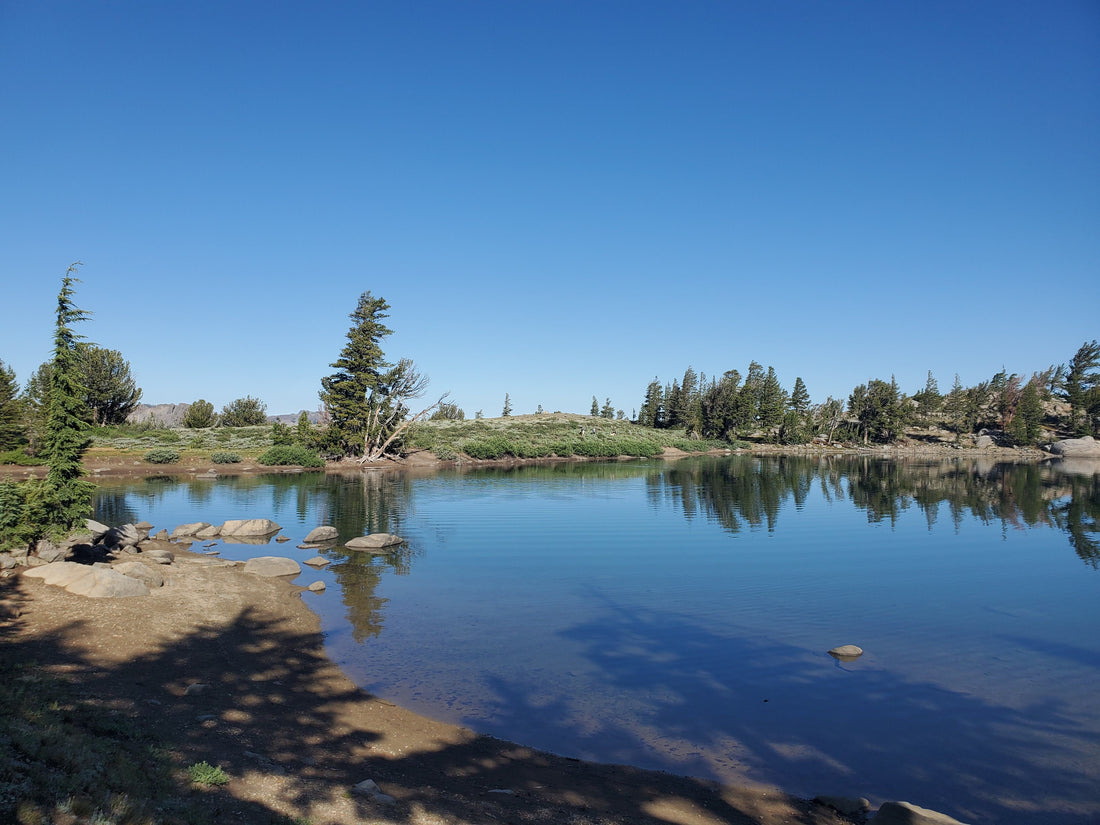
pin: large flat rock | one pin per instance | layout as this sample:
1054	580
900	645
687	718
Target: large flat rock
272	566
375	541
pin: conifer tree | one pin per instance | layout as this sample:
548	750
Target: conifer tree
595	410
607	411
800	397
63	499
1082	385
200	415
366	397
1026	424
771	403
507	411
11	413
111	392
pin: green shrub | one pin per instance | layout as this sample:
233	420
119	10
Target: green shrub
290	454
445	454
203	773
221	457
495	446
281	433
20	458
162	455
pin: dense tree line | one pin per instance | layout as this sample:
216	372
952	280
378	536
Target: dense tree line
733	406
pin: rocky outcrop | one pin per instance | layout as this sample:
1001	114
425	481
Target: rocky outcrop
1086	447
375	541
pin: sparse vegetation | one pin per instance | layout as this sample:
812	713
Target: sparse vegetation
548	434
221	457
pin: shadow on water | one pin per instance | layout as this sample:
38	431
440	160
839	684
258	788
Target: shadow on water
1021	765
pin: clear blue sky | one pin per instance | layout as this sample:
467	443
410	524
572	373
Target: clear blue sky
558	199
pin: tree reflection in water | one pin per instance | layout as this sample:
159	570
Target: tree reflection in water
741	491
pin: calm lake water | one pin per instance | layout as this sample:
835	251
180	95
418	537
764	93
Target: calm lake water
677	616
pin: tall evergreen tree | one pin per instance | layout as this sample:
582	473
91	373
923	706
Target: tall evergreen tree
506	412
366	398
1026	424
1082	383
63	500
652	407
361	368
607	411
800	397
929	399
595	410
771	403
11	412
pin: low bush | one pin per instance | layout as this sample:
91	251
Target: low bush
203	773
221	457
162	455
20	458
290	454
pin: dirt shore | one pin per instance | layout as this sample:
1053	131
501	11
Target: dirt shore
296	735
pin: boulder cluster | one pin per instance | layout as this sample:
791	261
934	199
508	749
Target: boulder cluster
102	561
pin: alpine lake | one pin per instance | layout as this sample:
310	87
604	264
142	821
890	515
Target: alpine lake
677	615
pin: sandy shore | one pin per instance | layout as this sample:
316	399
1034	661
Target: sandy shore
295	734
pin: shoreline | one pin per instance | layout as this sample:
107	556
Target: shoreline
423	461
295	734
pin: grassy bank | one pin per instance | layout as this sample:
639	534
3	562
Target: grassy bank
548	434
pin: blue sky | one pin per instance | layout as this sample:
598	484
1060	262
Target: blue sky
558	199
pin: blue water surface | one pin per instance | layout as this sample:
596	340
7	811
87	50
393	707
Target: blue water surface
678	615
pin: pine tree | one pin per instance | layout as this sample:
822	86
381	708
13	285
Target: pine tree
200	415
361	368
1026	425
929	399
607	411
111	392
800	397
507	411
367	398
63	500
595	410
771	403
11	413
1082	383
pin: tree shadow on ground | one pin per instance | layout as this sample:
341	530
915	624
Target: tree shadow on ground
295	735
780	712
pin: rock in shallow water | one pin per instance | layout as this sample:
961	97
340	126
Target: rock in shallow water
846	653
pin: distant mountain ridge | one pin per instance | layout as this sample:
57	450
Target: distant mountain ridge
171	415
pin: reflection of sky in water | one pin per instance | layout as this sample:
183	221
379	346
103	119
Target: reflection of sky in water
679	618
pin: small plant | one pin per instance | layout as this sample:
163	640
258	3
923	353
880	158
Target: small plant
222	457
203	773
290	454
162	455
445	454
